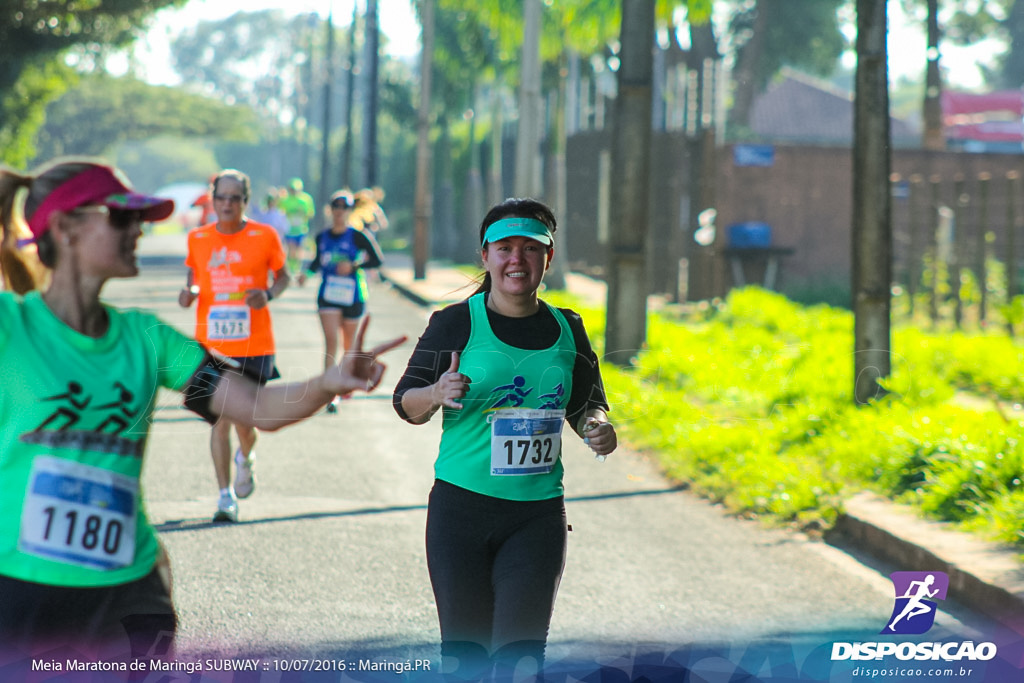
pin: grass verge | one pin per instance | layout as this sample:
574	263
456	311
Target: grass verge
751	403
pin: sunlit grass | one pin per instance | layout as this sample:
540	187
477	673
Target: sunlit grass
751	403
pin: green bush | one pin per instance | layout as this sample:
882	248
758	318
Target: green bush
751	403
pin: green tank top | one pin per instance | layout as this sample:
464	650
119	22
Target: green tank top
506	440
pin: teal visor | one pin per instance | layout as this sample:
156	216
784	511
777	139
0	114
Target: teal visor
518	227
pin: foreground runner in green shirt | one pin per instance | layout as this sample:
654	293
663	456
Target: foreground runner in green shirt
78	556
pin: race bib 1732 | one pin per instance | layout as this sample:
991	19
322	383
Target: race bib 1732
525	441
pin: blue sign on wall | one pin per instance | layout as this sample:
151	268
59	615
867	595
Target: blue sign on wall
753	155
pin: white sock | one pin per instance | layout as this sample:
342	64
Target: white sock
225	492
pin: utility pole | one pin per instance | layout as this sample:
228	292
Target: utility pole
325	138
872	205
350	83
527	180
626	327
423	209
934	138
370	124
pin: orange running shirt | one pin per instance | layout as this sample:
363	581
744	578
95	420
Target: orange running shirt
224	267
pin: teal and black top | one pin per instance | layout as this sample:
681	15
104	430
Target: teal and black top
527	375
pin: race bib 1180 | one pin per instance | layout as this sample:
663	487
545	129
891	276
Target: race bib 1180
79	515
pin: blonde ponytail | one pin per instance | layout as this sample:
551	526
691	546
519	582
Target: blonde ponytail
19	265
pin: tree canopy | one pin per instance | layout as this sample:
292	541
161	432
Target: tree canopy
255	58
102	111
32	34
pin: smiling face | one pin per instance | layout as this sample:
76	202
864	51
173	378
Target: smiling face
516	265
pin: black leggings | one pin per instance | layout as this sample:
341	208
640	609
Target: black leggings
495	566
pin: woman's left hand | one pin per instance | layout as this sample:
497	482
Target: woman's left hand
599	435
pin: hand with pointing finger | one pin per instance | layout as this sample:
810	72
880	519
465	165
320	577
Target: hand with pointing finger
359	370
452	386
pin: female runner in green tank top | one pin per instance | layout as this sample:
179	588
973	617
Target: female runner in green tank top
509	371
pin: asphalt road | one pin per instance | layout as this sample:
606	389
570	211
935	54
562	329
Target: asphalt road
328	558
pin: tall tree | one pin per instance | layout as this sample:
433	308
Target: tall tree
933	137
350	83
371	68
327	124
872	213
626	327
423	209
32	34
530	116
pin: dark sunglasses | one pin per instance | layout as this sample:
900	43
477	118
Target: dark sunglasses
231	198
122	219
340	204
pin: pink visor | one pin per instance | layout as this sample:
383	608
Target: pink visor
99	185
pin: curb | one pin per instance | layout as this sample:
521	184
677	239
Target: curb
407	292
984	576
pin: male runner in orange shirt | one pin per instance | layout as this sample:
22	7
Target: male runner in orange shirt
229	262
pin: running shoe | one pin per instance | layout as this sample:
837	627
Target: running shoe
332	407
227	508
245	478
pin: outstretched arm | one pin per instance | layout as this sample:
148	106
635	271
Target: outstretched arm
240	399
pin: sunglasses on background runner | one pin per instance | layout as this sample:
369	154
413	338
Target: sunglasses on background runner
122	219
231	198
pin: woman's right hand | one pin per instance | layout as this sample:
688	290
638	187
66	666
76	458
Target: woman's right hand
452	386
359	370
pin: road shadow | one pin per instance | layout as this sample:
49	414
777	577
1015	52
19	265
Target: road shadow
195	524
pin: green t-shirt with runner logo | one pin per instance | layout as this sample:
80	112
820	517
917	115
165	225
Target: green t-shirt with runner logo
76	412
505	442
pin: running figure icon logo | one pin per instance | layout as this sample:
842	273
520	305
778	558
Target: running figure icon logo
913	612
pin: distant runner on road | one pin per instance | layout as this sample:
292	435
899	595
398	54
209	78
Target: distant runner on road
343	255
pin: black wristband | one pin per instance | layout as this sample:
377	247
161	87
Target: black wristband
270	295
199	390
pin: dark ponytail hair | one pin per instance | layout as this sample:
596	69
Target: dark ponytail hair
514	207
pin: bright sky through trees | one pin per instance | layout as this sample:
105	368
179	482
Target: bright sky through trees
398	22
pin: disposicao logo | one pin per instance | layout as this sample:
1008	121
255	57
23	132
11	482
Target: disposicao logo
913	614
915	608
